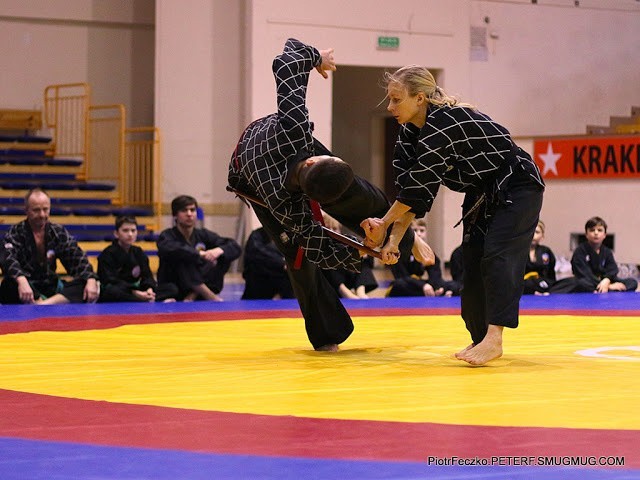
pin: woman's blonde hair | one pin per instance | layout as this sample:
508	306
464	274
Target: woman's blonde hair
415	79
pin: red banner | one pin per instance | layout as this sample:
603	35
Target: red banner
588	157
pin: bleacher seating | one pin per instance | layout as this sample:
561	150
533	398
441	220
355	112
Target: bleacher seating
85	208
618	125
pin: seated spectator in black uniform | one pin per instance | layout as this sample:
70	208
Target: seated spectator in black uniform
453	287
31	251
540	271
265	270
194	259
349	284
593	264
124	272
412	278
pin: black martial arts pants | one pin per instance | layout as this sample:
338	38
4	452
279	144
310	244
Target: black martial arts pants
495	261
325	318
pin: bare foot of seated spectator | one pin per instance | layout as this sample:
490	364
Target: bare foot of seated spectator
617	287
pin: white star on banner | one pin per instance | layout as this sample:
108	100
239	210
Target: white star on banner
550	159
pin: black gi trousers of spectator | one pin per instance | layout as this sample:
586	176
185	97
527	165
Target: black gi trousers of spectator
494	262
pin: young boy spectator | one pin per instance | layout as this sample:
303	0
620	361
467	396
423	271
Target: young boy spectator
409	274
265	271
194	259
593	264
123	269
31	251
540	271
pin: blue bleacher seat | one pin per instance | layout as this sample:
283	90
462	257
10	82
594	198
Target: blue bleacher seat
91	211
24	138
134	211
63	162
58	185
26	160
11	210
95	186
60	210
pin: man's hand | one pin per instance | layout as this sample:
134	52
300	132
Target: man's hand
328	62
25	292
375	231
90	294
212	255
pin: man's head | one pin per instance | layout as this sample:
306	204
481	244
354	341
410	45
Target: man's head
325	178
184	210
37	206
126	230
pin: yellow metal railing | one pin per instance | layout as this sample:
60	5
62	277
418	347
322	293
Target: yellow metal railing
106	146
141	171
66	109
96	134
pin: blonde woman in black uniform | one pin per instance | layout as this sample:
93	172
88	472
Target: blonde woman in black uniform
444	142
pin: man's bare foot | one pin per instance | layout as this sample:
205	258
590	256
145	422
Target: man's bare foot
488	349
422	252
460	354
329	347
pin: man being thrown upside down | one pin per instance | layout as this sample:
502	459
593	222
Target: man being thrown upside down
278	162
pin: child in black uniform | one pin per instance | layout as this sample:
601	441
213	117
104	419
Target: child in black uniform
264	269
409	274
593	264
540	272
123	268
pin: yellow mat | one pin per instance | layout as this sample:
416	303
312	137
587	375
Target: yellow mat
557	371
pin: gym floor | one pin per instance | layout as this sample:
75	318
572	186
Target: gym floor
233	390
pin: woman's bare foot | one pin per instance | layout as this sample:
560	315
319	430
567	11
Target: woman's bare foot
488	349
422	252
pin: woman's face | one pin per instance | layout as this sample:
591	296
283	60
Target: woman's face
406	108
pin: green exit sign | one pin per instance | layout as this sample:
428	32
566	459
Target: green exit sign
389	43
